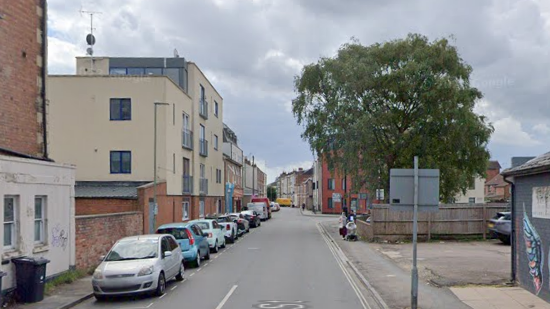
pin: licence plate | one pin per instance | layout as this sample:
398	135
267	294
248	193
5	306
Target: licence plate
491	225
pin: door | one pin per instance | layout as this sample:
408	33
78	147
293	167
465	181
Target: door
176	254
217	232
167	261
199	239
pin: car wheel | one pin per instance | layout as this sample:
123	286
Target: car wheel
179	276
198	260
207	256
161	285
216	249
248	229
100	297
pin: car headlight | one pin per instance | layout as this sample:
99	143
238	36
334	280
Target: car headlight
147	270
98	275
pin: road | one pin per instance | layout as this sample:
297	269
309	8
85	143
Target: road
286	263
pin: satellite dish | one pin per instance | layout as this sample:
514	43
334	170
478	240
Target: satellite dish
176	54
90	51
90	39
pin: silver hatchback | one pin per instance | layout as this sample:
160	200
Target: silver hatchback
138	264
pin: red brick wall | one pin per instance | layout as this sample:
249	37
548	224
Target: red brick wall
95	206
20	101
338	188
95	235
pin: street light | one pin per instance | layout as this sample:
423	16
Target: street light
155	210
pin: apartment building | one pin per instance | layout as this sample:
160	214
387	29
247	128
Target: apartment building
36	194
109	117
233	161
255	181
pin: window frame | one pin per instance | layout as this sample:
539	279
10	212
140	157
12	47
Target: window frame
330	203
14	224
120	109
43	220
202	207
215	142
185	211
216	108
470	200
120	153
331	184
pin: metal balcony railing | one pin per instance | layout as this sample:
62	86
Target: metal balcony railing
203	151
187	184
187	139
203	108
203	186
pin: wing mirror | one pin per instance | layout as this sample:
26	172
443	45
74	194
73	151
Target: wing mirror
167	254
101	258
204	234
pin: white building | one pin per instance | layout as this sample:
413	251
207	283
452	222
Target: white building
474	194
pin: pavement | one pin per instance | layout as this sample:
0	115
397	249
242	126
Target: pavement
64	296
499	298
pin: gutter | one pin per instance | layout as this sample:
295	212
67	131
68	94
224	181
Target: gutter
44	75
22	155
513	234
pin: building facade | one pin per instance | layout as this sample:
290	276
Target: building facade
233	159
255	181
474	195
36	194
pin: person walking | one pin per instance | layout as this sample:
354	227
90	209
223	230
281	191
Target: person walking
342	221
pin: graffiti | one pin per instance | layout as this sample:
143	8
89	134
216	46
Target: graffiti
533	248
541	202
59	237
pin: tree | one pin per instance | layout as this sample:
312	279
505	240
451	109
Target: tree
372	108
271	193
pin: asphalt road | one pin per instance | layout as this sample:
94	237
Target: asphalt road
286	263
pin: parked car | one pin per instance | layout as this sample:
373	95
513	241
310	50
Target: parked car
284	202
243	226
138	264
216	234
192	240
253	217
259	208
267	204
231	230
275	207
501	226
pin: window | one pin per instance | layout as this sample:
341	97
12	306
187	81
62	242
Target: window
164	245
135	71
472	184
201	209
185	211
331	183
218	176
344	183
117	71
153	71
215	142
196	230
215	225
40	220
330	205
219	202
10	222
173	74
121	109
121	162
472	200
203	94
173	244
216	108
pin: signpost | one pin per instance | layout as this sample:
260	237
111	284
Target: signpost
336	197
414	190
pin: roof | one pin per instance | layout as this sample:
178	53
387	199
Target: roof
498	181
108	189
540	164
494	165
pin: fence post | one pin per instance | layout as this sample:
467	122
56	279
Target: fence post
429	226
484	223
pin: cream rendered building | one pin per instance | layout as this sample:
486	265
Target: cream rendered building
189	136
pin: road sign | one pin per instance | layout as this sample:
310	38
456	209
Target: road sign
402	190
336	197
380	194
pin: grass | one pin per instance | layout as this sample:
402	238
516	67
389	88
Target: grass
65	278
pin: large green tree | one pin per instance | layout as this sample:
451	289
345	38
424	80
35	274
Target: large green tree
372	108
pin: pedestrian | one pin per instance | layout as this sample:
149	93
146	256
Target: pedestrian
345	210
303	206
342	221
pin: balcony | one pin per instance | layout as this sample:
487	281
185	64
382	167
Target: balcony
203	151
187	184
233	152
187	139
203	108
203	186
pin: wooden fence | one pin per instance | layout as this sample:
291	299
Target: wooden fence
450	220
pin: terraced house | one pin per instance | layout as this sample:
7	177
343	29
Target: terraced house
122	121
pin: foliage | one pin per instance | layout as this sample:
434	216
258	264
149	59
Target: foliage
65	278
272	193
372	108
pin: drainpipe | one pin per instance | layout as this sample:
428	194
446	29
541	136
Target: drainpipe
513	233
44	75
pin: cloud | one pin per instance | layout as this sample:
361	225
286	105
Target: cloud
542	128
508	131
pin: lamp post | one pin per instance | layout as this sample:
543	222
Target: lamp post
155	211
253	178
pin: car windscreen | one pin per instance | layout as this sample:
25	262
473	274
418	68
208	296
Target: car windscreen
203	225
134	250
178	233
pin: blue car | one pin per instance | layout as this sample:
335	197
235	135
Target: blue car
192	240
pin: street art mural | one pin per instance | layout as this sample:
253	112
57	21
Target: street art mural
60	238
533	248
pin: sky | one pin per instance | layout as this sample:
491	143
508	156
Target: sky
251	50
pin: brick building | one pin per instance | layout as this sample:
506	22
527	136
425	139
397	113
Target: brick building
37	194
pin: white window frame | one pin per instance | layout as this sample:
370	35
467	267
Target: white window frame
215	142
185	211
201	209
43	220
14	223
185	121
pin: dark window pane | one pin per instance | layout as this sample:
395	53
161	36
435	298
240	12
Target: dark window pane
153	71
136	71
38	208
115	162
115	109
126	162
126	109
8	209
117	71
173	74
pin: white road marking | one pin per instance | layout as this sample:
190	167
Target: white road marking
162	296
173	288
217	256
390	275
226	298
191	275
199	269
149	305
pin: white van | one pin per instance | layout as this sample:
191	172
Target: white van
260	208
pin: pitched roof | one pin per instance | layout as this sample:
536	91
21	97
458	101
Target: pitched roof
494	165
108	189
537	165
498	181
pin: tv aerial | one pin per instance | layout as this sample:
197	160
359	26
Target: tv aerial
90	38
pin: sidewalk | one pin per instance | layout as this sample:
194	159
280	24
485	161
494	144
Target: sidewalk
64	296
499	298
309	213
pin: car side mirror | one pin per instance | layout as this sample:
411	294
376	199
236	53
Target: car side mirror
167	254
102	258
204	234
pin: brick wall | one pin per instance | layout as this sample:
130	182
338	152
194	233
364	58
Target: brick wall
523	195
96	234
21	76
95	206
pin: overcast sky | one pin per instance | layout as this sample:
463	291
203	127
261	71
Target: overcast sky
252	49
